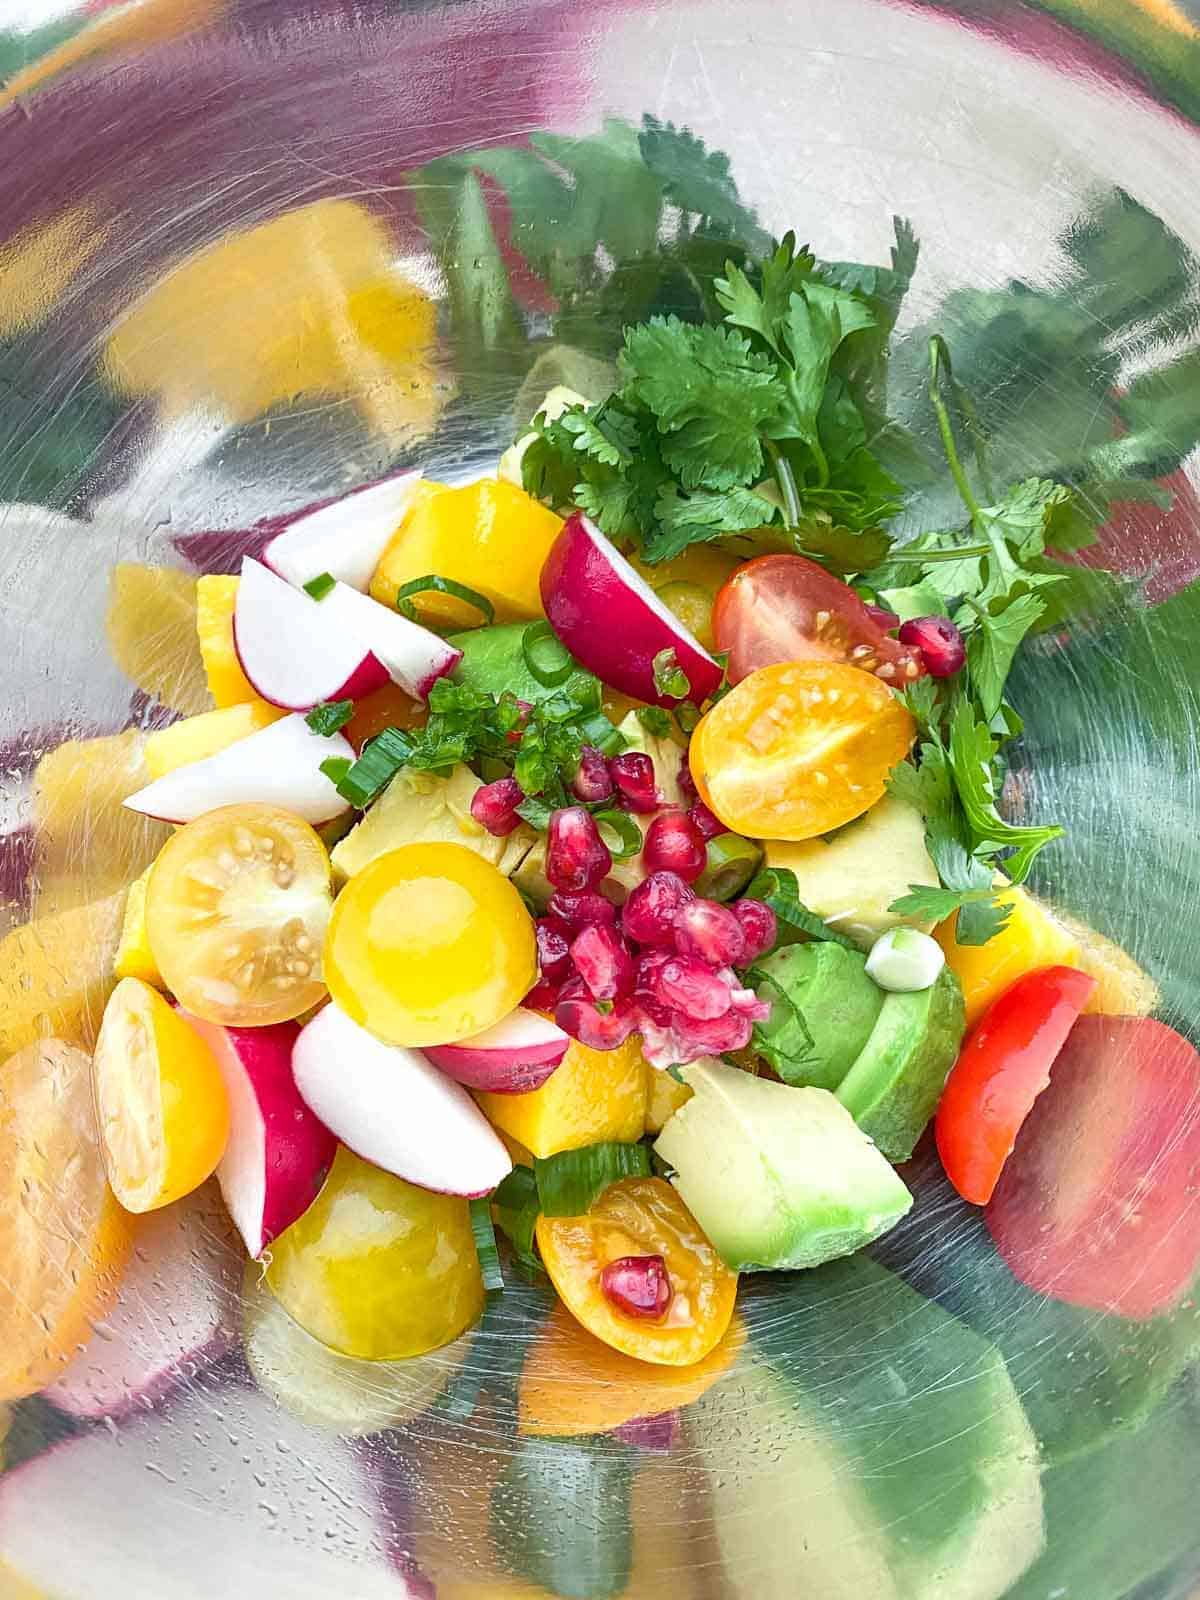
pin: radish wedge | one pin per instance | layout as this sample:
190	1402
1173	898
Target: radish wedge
278	1151
174	1313
613	623
221	1495
514	1056
297	651
345	537
393	1108
279	765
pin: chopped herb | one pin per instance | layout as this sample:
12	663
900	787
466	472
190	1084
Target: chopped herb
655	720
669	677
335	769
330	716
320	586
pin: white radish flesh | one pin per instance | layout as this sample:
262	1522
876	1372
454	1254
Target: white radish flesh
345	537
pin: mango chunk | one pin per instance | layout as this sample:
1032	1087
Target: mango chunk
592	1096
664	1096
1031	938
195	738
216	598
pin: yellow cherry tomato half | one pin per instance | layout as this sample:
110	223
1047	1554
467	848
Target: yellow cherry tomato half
377	1268
161	1102
429	944
236	911
641	1217
798	749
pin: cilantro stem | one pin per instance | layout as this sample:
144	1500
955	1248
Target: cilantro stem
786	480
809	433
937	355
958	552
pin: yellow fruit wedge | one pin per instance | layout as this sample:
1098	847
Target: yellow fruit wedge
56	973
593	1095
161	1102
134	958
196	738
216	600
1123	988
664	1096
1032	937
152	633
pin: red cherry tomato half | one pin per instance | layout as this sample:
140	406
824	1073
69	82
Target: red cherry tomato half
785	608
1003	1066
1097	1206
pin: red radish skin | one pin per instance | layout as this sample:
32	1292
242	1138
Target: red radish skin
392	1107
345	537
611	620
279	765
278	1151
516	1055
1097	1205
177	1310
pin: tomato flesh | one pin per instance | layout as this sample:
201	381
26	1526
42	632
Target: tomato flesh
786	608
1003	1067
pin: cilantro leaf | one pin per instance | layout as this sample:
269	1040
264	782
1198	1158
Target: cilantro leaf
993	644
696	179
764	310
972	751
685	519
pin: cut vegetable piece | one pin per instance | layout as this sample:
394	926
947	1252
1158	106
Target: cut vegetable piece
221	1494
593	1095
196	738
893	1088
515	1055
216	601
324	1389
570	1182
493	662
161	1105
134	958
297	651
573	1383
56	974
63	1238
1123	988
1031	938
378	1268
639	1217
823	1007
612	621
393	1108
777	1177
236	908
151	628
344	537
664	1096
1096	1204
278	1152
279	765
1003	1067
175	1312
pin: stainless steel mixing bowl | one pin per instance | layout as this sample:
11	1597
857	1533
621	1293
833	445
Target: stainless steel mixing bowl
224	233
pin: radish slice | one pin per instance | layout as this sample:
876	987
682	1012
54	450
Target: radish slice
176	1311
611	620
279	765
345	537
298	651
278	1151
515	1055
223	1494
393	1108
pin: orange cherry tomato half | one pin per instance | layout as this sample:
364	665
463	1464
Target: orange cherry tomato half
785	608
797	749
1003	1066
641	1217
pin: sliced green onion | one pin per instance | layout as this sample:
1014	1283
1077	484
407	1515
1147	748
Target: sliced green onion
620	833
732	862
329	716
485	1243
375	768
335	769
687	715
669	677
568	1183
431	583
517	1211
547	658
599	731
319	586
534	810
491	769
655	720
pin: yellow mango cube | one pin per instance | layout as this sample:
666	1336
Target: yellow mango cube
152	633
216	599
593	1095
664	1096
56	973
134	958
195	738
1031	938
490	536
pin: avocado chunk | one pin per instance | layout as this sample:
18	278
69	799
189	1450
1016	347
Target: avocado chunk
894	1086
851	878
493	660
421	808
777	1177
823	1008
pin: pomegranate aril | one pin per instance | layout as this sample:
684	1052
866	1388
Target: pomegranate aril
711	1036
638	1285
657	1436
593	781
577	858
645	986
685	780
494	807
598	1029
940	643
543	996
633	774
648	916
711	933
553	948
579	911
759	926
882	618
675	844
707	825
603	962
690	986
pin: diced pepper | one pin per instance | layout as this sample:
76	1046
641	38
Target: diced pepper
490	536
593	1095
1031	938
195	738
134	958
